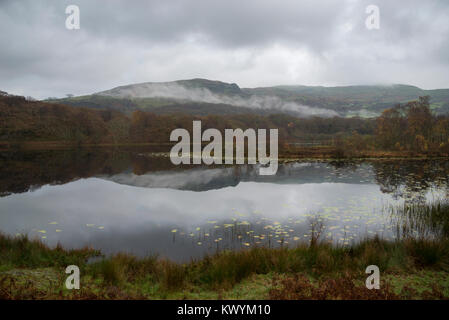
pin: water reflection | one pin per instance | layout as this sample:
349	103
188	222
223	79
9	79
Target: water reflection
127	200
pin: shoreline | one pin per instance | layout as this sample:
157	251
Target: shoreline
324	153
410	269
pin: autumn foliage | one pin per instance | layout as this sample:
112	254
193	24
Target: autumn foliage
408	128
412	127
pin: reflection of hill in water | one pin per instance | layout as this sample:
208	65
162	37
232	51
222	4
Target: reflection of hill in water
23	171
207	178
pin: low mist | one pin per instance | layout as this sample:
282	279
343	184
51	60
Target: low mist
176	91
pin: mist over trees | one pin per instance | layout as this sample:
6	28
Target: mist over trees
404	128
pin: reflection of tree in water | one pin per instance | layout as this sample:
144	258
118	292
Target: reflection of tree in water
411	180
347	165
351	171
22	171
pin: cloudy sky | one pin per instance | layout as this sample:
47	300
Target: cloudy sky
252	43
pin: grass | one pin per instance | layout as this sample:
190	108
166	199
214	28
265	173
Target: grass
21	252
426	219
410	268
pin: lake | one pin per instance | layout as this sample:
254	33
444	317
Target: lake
134	200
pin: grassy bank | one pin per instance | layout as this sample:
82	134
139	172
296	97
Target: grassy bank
416	269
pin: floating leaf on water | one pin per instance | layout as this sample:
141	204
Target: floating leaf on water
53	222
199	243
89	225
58	230
246	244
42	231
101	227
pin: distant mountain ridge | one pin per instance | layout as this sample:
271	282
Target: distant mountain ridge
148	89
204	97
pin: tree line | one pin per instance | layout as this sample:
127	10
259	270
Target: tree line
409	127
413	127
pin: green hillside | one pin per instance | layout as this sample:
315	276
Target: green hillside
357	100
204	97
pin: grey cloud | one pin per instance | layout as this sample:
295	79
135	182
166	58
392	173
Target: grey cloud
250	42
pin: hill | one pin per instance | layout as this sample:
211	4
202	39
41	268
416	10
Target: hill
207	97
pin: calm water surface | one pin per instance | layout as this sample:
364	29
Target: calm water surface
135	201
